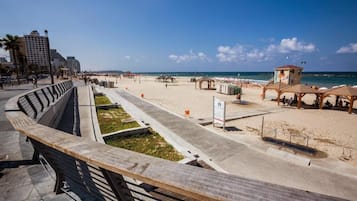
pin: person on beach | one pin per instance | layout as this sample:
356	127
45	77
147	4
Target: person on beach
34	82
283	100
239	98
328	104
340	103
166	85
290	101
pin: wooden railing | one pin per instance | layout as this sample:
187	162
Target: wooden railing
96	171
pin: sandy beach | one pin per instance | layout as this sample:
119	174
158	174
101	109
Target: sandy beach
329	131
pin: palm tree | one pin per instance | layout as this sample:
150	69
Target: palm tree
12	43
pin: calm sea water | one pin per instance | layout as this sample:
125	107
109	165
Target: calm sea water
311	78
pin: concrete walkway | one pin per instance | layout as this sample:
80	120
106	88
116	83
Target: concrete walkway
89	127
234	157
20	178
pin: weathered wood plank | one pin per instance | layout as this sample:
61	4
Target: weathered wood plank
191	181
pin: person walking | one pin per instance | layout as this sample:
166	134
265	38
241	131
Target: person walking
34	82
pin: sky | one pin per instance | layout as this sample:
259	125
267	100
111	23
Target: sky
192	35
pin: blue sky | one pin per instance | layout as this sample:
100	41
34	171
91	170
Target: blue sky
192	35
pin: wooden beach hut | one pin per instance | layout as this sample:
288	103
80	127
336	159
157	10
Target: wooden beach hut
348	92
300	90
210	82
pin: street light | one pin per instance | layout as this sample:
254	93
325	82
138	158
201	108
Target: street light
49	56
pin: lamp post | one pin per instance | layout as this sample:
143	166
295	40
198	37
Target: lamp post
49	56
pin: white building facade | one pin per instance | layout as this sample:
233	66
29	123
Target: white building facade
37	49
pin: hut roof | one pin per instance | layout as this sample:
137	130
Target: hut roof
276	86
288	67
205	79
343	91
301	88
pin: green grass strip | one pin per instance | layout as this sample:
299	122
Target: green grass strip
111	120
101	100
150	143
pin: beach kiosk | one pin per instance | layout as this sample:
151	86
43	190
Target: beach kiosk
288	74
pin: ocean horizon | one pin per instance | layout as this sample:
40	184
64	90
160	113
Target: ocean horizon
321	79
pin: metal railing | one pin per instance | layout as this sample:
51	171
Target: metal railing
35	102
96	171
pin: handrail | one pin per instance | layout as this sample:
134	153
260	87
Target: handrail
60	148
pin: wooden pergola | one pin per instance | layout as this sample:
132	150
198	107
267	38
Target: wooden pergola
348	92
273	86
210	82
165	78
300	90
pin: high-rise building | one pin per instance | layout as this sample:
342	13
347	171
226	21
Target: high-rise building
33	51
73	65
57	60
36	48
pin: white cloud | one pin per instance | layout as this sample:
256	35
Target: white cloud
257	55
247	53
229	54
200	56
239	53
127	57
351	48
288	45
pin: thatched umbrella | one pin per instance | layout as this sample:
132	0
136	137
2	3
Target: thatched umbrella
346	91
299	89
278	86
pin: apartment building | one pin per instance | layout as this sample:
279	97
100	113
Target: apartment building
36	48
73	64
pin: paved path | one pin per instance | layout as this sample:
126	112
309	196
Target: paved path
20	178
239	159
89	127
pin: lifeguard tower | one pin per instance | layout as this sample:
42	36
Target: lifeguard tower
288	74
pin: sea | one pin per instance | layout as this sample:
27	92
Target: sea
320	79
